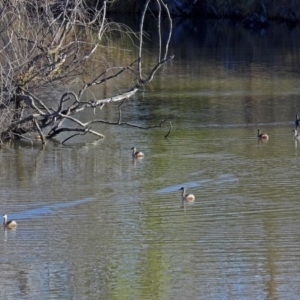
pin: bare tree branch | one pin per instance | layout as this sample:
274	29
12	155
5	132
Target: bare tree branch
141	40
54	45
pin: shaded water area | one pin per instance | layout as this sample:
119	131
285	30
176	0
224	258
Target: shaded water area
93	223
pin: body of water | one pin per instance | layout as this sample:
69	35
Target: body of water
94	223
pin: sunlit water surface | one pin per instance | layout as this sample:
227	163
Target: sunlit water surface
93	223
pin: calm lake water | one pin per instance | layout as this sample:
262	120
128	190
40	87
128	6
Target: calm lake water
96	224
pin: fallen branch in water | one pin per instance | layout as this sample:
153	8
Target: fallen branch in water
169	130
55	52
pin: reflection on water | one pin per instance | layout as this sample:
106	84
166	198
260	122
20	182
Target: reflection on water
41	211
93	223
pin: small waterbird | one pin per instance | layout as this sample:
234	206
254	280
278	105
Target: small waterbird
10	223
187	197
262	136
137	154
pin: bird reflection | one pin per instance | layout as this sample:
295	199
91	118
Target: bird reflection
296	135
9	231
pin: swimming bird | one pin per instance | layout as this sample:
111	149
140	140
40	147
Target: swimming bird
10	223
296	135
137	154
187	197
262	136
297	122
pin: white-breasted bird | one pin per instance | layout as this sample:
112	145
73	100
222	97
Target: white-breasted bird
9	223
137	154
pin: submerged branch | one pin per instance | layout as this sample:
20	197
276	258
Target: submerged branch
81	130
84	131
39	131
169	130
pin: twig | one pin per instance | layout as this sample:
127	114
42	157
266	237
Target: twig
82	133
170	29
159	29
141	40
120	110
169	130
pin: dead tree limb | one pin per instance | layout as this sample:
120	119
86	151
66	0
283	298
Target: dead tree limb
55	49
